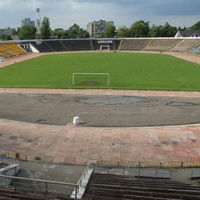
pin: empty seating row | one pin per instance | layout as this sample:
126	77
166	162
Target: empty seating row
3	54
186	44
127	44
162	44
69	45
134	44
42	47
10	49
78	45
62	45
7	194
104	186
157	44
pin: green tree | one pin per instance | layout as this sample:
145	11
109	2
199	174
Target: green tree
168	31
163	31
84	34
195	26
26	32
181	29
139	29
154	31
14	32
110	32
58	32
5	37
123	32
76	32
65	34
45	28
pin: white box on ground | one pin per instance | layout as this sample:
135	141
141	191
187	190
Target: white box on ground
76	120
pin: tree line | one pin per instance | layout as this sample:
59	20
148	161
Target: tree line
139	28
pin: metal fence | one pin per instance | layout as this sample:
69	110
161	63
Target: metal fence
135	171
45	186
76	190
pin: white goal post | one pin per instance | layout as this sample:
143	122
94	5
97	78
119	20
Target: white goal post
104	74
105	47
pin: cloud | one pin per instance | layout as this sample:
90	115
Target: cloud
176	7
64	13
161	7
117	2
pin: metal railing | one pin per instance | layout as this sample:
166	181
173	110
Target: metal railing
46	186
138	172
195	175
82	182
76	190
83	175
36	185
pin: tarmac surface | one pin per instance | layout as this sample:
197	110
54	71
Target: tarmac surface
100	110
104	138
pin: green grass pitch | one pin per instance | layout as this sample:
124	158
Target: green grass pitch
136	71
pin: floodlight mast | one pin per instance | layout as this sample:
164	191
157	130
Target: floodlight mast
38	35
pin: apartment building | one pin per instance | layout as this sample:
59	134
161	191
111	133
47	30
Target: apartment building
6	31
27	22
96	28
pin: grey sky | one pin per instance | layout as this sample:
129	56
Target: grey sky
64	13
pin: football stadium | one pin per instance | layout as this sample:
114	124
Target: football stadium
100	118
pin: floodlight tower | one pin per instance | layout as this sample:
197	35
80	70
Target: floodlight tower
38	27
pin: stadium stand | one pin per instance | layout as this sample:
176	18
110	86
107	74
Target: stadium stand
68	45
3	54
43	47
186	44
95	45
112	43
62	45
12	194
124	44
115	187
162	44
56	45
8	50
134	44
116	44
78	45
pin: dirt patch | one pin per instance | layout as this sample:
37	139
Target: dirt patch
17	59
189	57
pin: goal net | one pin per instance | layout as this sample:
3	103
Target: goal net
91	79
105	48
